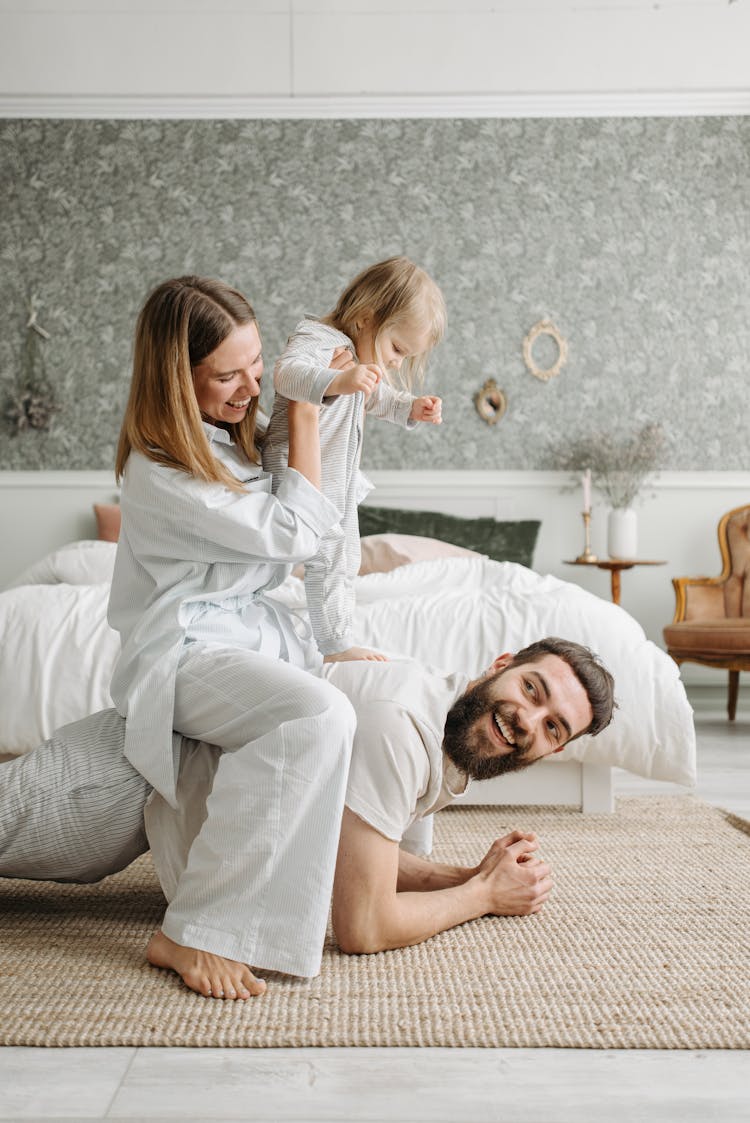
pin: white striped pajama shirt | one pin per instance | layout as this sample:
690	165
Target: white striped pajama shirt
303	373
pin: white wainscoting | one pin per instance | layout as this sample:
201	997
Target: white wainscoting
677	523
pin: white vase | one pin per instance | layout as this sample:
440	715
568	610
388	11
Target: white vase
622	533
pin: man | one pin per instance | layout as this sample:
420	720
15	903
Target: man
74	808
420	740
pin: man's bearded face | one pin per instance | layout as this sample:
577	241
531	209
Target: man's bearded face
515	716
465	744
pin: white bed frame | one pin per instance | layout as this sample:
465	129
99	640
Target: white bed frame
56	507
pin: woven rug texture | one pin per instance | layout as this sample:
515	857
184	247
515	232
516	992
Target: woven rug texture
644	944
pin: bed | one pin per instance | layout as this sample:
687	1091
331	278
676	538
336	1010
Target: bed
447	606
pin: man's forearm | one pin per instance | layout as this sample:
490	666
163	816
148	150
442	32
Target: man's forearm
385	898
412	917
419	875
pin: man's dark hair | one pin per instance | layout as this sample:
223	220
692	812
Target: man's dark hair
590	672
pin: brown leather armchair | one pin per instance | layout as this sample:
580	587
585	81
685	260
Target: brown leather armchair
712	616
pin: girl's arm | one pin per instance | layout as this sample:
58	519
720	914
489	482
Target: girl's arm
388	404
307	365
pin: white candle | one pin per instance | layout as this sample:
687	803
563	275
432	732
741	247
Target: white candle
587	490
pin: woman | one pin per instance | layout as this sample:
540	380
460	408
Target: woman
204	651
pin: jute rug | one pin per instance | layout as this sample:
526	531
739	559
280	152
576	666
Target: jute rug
644	944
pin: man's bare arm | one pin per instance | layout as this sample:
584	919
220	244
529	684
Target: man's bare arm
370	913
420	875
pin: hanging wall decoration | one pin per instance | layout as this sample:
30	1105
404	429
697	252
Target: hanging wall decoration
490	402
544	327
32	403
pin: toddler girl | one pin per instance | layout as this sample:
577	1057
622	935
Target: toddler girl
389	318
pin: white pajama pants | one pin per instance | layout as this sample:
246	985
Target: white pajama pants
248	871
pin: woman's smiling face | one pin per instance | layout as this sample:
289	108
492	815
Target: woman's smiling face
228	379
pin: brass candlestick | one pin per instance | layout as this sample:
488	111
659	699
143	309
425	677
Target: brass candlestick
587	555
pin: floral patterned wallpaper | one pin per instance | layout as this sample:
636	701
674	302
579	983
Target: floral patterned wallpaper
632	235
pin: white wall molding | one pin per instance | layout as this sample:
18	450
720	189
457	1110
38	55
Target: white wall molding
446	482
48	480
481	482
677	103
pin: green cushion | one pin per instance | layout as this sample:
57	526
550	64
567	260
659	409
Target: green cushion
501	541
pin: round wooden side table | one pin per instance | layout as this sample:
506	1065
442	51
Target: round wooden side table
615	567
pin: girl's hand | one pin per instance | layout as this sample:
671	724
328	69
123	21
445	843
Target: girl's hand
429	409
357	376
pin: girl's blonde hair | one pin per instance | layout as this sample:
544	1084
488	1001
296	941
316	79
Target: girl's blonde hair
181	323
392	292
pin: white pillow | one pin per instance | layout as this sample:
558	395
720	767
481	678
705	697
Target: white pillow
79	563
56	660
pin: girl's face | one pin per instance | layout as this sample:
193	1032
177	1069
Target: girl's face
395	342
229	378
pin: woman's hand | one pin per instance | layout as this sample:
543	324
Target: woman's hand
342	359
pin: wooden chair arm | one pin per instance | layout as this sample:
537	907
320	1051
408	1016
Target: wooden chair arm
682	585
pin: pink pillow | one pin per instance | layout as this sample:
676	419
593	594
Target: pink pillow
107	521
384	552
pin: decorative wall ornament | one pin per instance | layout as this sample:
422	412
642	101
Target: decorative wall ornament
544	327
490	402
32	403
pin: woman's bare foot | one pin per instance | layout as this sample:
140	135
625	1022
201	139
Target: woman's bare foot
210	975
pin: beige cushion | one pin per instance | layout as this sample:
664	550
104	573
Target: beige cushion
384	552
107	521
720	636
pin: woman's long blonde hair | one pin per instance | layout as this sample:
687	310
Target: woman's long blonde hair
394	291
181	323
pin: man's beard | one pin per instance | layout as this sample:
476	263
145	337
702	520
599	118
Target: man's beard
464	746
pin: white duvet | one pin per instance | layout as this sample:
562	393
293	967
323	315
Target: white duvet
57	651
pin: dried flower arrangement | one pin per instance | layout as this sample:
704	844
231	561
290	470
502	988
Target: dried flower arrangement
32	404
619	467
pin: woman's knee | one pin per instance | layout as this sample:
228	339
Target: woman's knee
343	712
322	699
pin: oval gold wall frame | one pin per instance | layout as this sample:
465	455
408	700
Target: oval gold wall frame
544	327
490	402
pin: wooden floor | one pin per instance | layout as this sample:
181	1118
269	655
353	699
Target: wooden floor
407	1085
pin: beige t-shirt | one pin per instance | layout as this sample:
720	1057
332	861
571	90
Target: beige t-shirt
398	771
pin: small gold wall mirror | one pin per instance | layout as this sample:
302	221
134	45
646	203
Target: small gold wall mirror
547	328
490	402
